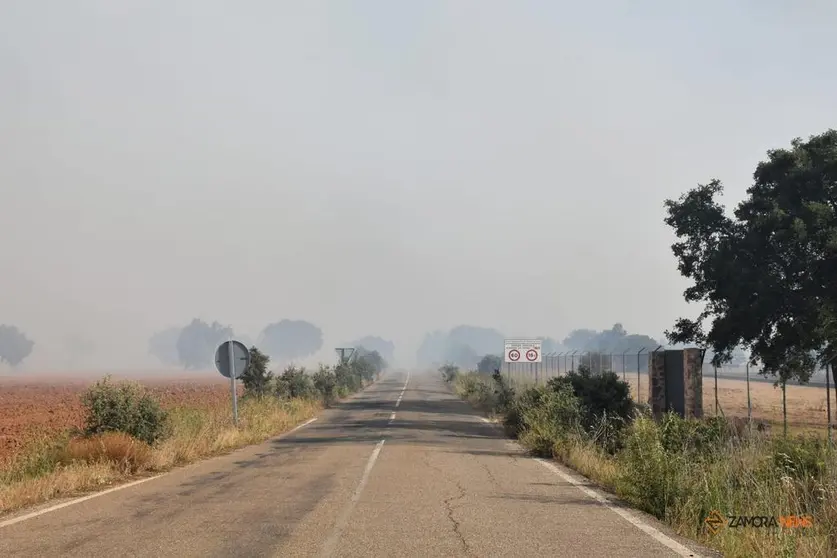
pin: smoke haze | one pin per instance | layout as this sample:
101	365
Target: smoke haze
375	168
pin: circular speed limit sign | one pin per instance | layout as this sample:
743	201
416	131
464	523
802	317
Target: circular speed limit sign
514	355
531	355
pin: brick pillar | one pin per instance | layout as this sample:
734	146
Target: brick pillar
657	383
693	382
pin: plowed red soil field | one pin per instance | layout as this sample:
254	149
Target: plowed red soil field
30	407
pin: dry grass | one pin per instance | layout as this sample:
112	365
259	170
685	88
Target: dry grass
53	466
121	450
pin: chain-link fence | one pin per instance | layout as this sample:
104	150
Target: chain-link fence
730	391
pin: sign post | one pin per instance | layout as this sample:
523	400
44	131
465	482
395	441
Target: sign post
523	350
345	354
231	359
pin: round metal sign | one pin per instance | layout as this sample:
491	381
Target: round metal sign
240	360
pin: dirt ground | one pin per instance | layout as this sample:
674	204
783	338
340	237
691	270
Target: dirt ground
40	404
806	404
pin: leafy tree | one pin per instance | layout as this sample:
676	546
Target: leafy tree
581	339
462	355
257	379
489	363
291	339
198	341
461	345
481	340
613	341
768	274
14	345
163	346
386	349
550	345
375	360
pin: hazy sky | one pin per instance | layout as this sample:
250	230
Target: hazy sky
380	167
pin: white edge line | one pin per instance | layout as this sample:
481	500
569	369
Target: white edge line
56	507
343	520
655	534
629	517
12	521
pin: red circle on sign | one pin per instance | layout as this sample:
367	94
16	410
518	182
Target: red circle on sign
531	354
514	354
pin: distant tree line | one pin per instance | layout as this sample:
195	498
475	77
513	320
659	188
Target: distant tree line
470	347
193	346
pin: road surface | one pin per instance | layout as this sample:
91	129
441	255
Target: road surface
395	471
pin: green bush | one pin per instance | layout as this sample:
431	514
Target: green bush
514	418
449	372
650	477
347	378
556	418
325	382
294	382
503	393
473	388
605	400
801	458
124	407
698	438
257	379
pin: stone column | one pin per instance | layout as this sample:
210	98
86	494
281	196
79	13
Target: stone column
657	383
693	382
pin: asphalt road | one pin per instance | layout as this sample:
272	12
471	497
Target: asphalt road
392	472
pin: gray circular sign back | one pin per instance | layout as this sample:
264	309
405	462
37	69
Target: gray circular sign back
241	359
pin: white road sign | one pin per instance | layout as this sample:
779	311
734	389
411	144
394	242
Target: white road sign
522	350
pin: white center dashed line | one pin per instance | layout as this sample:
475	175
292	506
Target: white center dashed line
400	397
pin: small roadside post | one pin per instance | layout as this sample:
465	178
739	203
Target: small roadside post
344	354
231	359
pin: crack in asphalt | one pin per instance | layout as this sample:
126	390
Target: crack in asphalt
449	504
490	475
456	527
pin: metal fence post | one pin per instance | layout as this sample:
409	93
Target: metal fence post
623	363
638	378
749	402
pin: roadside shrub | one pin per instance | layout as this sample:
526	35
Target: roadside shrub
698	438
325	382
294	382
257	379
553	420
514	419
124	407
503	393
449	372
489	363
605	400
473	388
801	458
365	370
650	477
347	378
